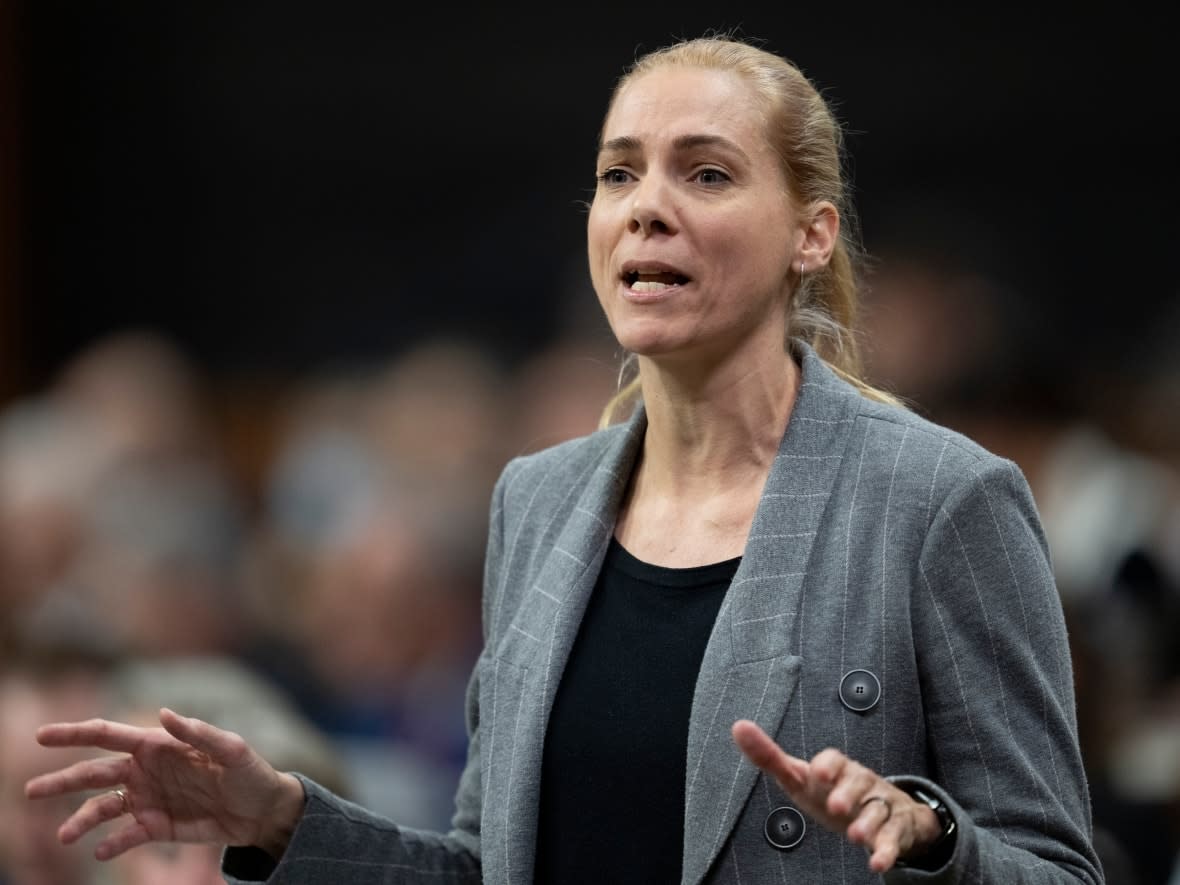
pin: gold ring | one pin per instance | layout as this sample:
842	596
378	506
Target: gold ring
888	805
123	798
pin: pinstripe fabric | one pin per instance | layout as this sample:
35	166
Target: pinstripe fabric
881	542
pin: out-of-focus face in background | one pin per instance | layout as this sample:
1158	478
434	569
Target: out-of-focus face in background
30	853
160	863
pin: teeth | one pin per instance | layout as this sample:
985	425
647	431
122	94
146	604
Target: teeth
649	286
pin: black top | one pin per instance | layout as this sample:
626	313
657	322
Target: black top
615	760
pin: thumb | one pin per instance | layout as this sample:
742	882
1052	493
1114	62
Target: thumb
223	747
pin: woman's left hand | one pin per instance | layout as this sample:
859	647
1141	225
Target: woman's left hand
846	797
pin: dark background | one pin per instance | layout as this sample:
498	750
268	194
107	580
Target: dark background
278	185
283	187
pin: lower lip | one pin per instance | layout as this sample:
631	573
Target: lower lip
650	297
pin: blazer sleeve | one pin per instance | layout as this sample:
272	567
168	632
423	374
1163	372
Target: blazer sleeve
997	690
338	841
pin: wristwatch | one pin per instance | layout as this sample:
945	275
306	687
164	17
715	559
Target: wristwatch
945	820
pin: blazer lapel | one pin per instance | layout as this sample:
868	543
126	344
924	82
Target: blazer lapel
751	664
537	644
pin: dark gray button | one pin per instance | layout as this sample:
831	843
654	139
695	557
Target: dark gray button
785	827
860	690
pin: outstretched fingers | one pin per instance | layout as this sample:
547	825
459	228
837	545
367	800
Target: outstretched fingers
887	844
840	793
123	839
761	749
101	733
874	813
89	774
94	811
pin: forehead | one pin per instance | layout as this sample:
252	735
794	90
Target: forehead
674	101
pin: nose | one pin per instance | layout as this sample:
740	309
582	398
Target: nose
651	207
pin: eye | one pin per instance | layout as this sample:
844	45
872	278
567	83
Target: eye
710	176
614	176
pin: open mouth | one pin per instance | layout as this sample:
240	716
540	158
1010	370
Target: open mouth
640	281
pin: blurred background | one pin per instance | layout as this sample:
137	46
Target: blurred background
284	285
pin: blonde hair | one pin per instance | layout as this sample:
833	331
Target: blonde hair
805	134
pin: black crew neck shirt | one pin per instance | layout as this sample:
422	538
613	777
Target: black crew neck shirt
616	749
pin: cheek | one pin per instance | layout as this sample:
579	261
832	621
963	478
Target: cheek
599	244
764	254
730	247
596	230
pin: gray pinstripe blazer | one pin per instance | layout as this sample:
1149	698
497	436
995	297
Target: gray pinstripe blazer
881	542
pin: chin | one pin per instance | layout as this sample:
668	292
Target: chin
665	353
649	337
654	346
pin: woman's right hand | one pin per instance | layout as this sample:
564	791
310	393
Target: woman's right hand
185	782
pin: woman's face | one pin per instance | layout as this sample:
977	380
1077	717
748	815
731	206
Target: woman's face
691	234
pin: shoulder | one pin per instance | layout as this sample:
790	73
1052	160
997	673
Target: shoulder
885	432
962	488
924	437
962	506
954	467
904	455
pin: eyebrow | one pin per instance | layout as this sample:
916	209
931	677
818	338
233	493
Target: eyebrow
627	143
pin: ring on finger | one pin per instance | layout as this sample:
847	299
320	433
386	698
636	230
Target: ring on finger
888	805
122	794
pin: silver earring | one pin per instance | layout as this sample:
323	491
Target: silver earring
801	268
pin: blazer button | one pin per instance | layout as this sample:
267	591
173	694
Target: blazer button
860	690
785	827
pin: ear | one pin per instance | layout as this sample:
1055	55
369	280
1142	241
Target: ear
819	237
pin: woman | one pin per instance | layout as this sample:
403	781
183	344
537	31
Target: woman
768	624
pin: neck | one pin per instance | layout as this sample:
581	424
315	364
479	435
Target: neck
708	432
